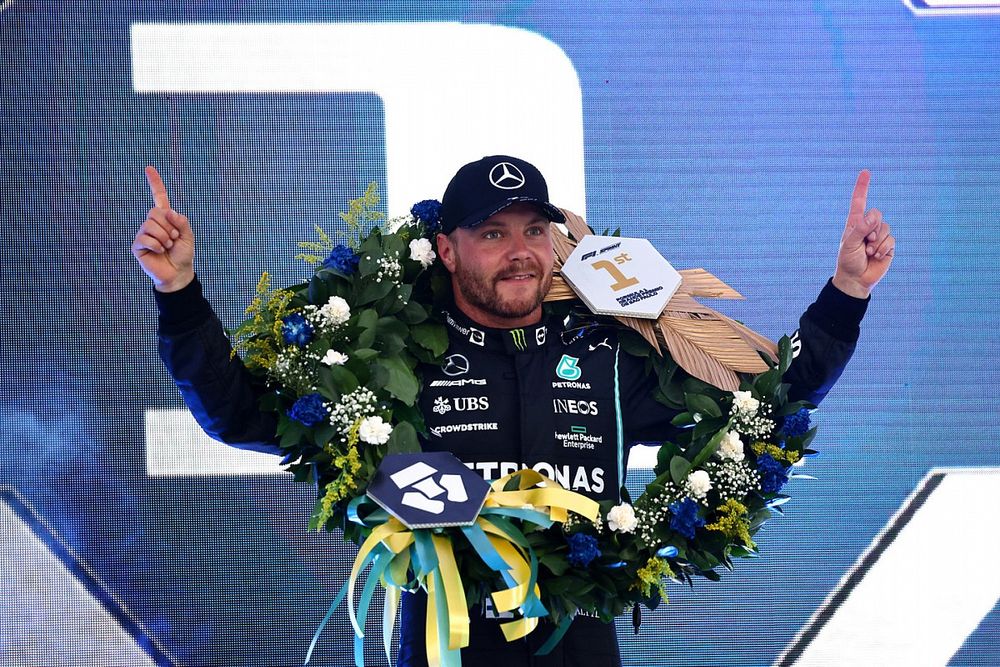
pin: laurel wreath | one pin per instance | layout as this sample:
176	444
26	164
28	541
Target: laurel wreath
341	355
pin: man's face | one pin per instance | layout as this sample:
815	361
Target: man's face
501	269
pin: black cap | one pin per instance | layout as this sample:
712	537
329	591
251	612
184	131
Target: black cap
488	186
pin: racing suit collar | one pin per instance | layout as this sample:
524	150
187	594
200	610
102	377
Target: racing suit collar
511	341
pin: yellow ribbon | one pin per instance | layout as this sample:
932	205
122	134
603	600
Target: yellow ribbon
545	494
535	492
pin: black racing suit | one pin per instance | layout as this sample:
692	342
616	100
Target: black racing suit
567	403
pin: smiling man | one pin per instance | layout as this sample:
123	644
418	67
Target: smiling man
496	242
517	388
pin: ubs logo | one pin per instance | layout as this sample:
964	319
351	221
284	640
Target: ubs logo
443	405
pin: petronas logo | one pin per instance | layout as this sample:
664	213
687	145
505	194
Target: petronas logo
519	340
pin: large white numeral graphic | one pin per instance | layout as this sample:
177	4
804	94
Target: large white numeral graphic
451	93
922	586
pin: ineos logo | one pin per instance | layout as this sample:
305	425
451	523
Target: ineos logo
506	176
455	364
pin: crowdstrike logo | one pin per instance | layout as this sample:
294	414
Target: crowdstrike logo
506	176
439	431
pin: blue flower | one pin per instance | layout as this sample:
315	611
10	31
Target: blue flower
427	211
797	424
582	549
772	474
685	519
296	330
309	410
342	259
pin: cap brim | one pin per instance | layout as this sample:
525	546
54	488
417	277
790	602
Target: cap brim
551	212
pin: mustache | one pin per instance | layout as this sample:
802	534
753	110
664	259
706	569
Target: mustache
519	268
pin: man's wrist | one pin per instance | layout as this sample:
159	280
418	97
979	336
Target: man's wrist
175	285
851	287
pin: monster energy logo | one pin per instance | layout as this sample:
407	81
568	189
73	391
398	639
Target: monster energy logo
519	340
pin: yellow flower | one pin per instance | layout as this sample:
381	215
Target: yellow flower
733	522
652	575
349	463
776	453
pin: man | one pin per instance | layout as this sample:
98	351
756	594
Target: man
516	389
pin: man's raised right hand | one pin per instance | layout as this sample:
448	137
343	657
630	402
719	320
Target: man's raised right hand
164	244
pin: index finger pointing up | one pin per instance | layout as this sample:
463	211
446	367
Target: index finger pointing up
156	187
860	197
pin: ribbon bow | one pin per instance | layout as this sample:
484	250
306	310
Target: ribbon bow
403	559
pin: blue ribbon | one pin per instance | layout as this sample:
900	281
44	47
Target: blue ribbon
556	636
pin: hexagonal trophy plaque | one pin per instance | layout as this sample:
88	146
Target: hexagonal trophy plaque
428	490
621	276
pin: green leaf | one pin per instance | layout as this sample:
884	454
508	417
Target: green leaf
403	440
635	345
323	434
709	449
555	563
343	379
400	382
319	293
707	427
683	419
365	353
413	313
679	469
666	453
366	338
373	290
367	318
766	383
784	354
393	245
390	326
702	404
431	336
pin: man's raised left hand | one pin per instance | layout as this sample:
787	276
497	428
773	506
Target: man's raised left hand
866	247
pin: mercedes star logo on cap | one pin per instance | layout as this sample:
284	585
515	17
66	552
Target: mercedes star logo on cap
506	176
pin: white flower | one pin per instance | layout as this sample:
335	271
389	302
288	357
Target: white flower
731	447
397	223
621	518
699	484
374	431
743	401
421	251
336	311
334	358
